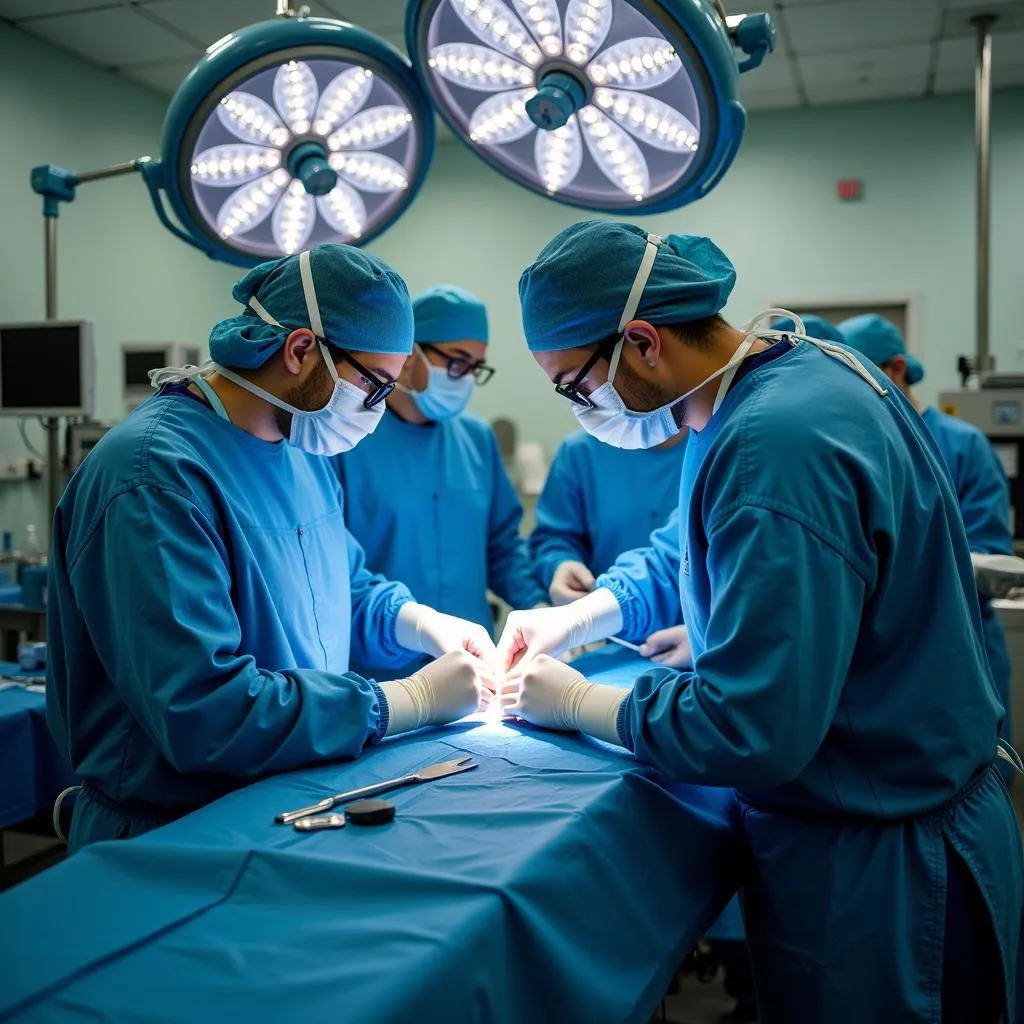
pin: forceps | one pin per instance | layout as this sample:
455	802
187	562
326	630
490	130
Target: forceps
434	771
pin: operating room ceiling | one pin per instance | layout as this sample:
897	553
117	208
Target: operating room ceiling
830	51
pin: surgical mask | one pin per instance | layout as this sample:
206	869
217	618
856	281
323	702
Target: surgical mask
609	419
444	397
335	428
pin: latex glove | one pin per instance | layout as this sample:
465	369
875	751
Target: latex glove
554	630
572	580
997	575
419	628
444	691
669	647
546	692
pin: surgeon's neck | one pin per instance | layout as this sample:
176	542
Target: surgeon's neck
401	403
700	364
245	410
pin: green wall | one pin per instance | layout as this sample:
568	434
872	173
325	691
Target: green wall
775	214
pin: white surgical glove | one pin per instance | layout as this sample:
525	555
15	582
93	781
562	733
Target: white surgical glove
444	691
572	580
419	628
997	575
548	693
669	647
554	630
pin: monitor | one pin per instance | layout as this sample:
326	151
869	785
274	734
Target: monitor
47	368
139	357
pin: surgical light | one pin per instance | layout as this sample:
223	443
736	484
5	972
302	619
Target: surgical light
610	105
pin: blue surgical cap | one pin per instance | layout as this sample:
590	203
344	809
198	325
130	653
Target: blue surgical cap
575	292
878	339
364	307
449	313
814	327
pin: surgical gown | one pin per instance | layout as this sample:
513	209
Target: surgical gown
581	516
203	596
984	498
840	684
432	506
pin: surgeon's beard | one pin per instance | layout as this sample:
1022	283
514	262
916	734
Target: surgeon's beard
643	395
309	396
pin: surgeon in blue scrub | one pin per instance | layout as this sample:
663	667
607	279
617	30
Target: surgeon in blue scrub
204	593
427	496
978	477
855	720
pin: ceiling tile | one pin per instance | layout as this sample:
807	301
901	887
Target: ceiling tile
857	23
17	9
955	69
834	93
776	72
112	37
770	99
984	6
805	3
381	16
1009	18
164	79
861	67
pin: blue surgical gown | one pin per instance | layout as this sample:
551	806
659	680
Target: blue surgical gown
840	684
581	516
984	497
203	596
432	506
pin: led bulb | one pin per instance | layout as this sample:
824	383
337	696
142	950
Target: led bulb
641	63
480	68
559	156
501	119
616	154
544	22
650	120
251	119
494	23
345	95
295	94
242	211
370	172
233	164
343	208
372	129
586	27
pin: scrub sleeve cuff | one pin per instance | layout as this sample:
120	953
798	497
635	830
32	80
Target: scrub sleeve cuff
383	713
396	602
627	603
622	724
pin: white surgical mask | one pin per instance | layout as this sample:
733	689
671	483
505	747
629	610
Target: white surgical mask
335	428
444	397
609	419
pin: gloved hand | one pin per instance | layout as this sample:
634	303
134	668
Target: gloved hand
419	628
444	691
548	693
572	580
669	647
997	575
554	630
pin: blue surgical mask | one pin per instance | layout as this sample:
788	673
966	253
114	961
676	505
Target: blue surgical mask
444	397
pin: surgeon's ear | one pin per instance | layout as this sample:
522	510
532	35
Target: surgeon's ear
299	346
647	340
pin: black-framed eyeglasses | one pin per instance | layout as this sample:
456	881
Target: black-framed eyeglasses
572	389
381	388
459	367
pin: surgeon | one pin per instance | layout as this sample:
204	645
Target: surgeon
428	497
978	477
583	525
204	593
855	719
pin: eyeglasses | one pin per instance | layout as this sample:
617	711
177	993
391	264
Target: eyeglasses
381	388
572	389
459	367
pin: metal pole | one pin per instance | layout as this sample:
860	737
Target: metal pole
983	136
109	172
52	423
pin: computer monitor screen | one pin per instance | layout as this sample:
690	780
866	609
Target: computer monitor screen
46	369
139	362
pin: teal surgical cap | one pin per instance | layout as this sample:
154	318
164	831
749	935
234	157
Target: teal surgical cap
576	291
814	327
449	313
878	339
361	303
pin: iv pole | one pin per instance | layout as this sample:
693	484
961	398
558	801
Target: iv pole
983	361
56	185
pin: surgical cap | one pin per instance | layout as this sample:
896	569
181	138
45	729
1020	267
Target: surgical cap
364	307
814	327
576	291
449	313
878	339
